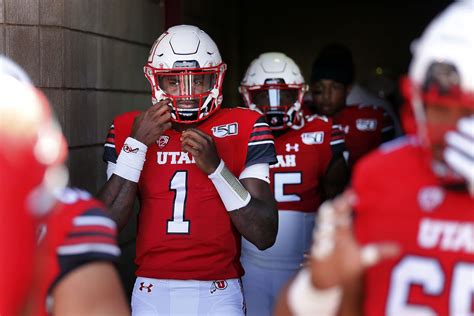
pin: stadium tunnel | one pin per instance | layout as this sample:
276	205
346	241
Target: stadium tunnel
88	56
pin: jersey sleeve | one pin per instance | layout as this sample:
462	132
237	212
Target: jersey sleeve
261	144
110	153
92	237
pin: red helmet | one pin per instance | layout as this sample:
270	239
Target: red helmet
33	151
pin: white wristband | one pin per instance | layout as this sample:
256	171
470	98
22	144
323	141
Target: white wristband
232	192
131	159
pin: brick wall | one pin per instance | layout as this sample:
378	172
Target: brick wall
87	57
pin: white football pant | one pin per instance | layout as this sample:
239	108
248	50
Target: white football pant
266	272
161	297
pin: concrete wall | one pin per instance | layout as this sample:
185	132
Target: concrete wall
87	57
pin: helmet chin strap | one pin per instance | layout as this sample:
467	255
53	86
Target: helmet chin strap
296	110
255	108
157	96
213	95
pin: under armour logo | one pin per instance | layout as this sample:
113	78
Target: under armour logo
295	147
147	287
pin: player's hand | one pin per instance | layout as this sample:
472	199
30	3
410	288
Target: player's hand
336	256
151	124
459	153
203	149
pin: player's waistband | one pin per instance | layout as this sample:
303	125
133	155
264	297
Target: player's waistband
144	282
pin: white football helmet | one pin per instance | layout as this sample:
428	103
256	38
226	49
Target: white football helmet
442	73
274	86
185	66
35	148
9	68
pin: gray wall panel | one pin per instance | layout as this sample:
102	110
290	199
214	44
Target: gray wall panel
22	11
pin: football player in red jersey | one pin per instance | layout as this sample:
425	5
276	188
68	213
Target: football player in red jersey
66	266
77	249
201	174
30	167
365	126
430	212
310	168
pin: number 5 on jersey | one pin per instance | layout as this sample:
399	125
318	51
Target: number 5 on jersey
280	179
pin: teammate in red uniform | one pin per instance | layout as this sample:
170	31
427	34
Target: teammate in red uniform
78	247
67	267
430	212
310	168
201	174
30	167
366	127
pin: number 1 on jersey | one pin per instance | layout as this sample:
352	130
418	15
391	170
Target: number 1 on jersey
178	184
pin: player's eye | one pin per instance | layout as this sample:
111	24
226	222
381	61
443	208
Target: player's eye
198	80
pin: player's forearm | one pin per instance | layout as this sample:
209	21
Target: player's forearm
336	178
118	194
352	298
251	206
257	222
93	298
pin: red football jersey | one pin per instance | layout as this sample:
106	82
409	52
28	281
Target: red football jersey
184	231
78	231
17	248
303	157
366	127
21	175
400	199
